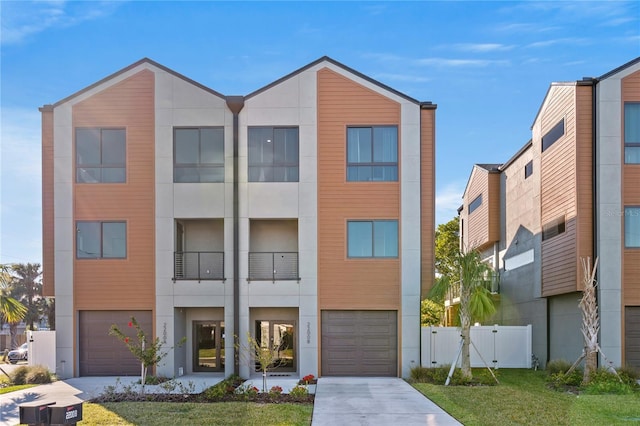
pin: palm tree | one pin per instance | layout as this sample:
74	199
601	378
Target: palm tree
475	298
11	310
29	289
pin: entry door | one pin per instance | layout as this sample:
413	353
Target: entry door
208	350
279	338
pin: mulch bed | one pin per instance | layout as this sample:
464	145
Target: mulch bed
262	398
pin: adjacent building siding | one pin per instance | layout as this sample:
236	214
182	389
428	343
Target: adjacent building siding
482	226
48	247
630	197
427	197
120	283
345	283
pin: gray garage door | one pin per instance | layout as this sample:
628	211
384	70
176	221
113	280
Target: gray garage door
632	335
359	343
104	355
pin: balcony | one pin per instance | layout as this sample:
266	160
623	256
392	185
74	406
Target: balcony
273	266
198	265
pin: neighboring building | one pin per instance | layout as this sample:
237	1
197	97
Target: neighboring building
570	192
302	213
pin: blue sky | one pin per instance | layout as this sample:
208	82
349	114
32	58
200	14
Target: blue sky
487	65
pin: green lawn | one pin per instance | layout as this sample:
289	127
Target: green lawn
168	413
523	399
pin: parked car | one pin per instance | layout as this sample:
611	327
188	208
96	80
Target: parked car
20	354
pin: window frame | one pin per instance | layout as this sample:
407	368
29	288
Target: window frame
630	144
625	224
475	204
101	166
373	239
553	135
528	169
373	163
199	165
554	228
273	164
101	243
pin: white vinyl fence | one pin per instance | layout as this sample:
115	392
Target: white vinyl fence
498	346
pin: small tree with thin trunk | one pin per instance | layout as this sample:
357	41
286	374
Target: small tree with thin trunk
266	356
475	298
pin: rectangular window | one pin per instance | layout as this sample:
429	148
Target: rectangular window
632	133
372	154
553	135
528	169
477	202
96	240
377	238
553	228
101	155
198	155
273	154
632	227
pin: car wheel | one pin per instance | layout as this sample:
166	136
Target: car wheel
12	361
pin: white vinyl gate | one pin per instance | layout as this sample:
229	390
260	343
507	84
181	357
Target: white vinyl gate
498	346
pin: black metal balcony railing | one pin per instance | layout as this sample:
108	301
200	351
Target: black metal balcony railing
273	266
198	265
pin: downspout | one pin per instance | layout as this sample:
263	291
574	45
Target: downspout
235	104
594	190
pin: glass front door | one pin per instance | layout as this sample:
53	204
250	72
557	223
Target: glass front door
277	337
208	342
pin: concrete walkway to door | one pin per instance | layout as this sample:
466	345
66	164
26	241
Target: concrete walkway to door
374	401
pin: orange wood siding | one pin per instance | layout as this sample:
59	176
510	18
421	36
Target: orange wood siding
48	249
630	197
522	208
352	283
427	185
121	283
558	193
482	226
584	178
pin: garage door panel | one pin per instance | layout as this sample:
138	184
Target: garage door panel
103	355
632	335
359	343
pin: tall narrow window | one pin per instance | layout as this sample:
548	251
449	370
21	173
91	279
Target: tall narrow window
553	135
377	238
477	202
632	227
372	153
273	154
95	240
198	155
528	169
632	133
100	155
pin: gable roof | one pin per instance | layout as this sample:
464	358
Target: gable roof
132	66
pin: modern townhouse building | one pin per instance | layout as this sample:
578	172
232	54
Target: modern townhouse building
569	193
301	214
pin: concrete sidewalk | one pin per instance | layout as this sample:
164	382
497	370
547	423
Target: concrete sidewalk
374	401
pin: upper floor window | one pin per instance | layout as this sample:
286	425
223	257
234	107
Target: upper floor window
553	228
372	238
632	132
632	227
273	154
553	135
528	169
198	154
101	155
372	153
95	240
477	202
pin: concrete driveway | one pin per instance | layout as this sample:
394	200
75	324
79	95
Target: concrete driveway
374	401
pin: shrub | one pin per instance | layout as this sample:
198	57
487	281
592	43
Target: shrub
557	366
275	391
299	391
226	387
437	375
38	375
562	381
19	375
603	381
629	374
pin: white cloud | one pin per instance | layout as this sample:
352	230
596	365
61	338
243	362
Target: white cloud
21	20
553	42
444	62
402	77
483	47
448	199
